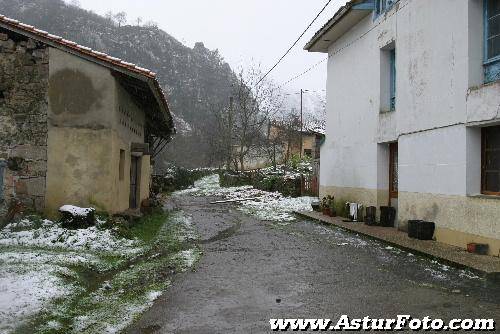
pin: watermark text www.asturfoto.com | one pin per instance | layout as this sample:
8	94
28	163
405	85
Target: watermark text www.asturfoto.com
402	322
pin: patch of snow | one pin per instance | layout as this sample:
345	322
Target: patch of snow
268	206
25	293
189	257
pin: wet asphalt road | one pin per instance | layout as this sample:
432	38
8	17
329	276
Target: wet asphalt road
252	271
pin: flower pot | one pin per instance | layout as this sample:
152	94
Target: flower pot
326	211
481	249
316	206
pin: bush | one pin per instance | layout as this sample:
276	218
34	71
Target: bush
177	178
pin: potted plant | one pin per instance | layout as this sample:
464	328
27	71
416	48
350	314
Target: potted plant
333	212
325	207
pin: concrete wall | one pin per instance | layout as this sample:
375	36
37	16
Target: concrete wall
91	118
23	121
441	103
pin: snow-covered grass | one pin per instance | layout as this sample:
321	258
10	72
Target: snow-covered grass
49	234
94	280
268	206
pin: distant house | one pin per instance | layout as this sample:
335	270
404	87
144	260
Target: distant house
413	97
284	142
77	126
305	143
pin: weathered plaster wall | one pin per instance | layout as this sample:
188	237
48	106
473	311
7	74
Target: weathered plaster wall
91	118
476	218
82	99
24	67
441	102
79	168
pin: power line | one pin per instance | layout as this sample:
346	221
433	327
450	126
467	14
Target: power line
293	45
306	71
344	47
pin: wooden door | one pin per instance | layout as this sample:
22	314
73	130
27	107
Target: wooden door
134	181
393	171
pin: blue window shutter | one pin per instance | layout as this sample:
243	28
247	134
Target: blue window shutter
393	80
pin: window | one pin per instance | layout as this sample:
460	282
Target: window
122	165
388	78
492	40
308	153
392	61
490	166
384	5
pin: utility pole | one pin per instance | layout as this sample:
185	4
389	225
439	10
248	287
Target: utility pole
230	133
301	121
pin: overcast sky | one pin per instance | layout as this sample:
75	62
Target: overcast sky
242	30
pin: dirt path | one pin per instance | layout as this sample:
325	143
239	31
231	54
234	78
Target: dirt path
252	271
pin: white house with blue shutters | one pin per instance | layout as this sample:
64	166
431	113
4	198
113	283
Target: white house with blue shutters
413	112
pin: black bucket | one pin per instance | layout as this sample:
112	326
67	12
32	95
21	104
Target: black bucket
413	228
371	216
425	230
387	216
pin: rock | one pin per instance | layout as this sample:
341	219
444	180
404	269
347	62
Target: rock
74	217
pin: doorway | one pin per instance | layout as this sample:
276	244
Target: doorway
134	181
393	175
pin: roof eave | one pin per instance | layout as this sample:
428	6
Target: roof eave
344	19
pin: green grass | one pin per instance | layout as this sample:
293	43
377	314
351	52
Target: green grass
147	228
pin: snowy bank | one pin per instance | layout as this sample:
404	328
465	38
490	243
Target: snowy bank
269	206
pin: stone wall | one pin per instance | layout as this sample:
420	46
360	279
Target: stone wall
24	70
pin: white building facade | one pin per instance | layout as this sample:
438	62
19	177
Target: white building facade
413	113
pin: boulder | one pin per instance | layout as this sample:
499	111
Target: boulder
74	217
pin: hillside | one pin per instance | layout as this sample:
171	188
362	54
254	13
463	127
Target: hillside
193	78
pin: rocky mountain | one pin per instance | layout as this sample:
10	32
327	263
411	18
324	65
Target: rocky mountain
193	78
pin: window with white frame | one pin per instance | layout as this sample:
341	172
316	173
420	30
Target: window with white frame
492	40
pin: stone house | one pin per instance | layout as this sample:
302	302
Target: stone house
76	126
287	141
413	121
311	140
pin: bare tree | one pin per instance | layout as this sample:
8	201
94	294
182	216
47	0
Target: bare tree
139	21
151	24
121	18
244	124
284	137
110	16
